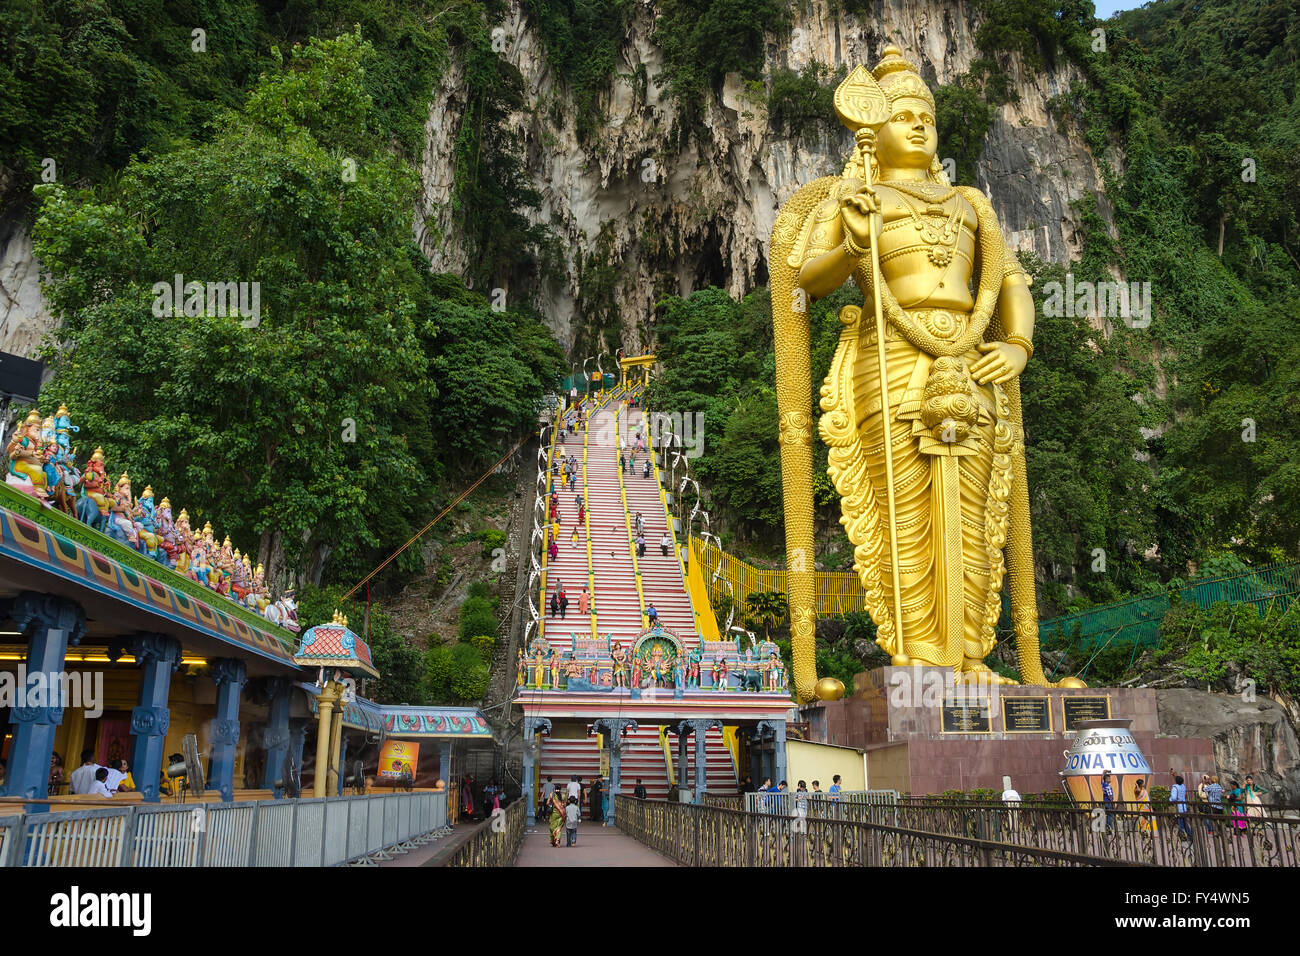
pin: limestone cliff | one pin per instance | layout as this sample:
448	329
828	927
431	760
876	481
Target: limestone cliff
675	219
678	219
1252	737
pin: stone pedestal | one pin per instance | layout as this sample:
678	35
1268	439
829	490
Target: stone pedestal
897	715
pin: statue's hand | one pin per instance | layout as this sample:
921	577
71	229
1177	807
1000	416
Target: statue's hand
856	211
1000	363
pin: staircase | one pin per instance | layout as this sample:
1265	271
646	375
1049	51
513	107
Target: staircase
613	498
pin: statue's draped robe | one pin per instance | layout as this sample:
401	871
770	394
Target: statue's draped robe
951	496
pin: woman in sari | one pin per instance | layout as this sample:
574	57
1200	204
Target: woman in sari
467	797
1146	818
1251	793
1236	808
555	823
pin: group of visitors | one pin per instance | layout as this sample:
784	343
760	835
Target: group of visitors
492	799
564	811
92	779
1243	802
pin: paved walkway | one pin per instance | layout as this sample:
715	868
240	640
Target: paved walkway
596	846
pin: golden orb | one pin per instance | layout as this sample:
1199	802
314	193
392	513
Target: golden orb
829	688
1070	682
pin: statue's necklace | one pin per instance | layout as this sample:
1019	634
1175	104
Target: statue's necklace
943	241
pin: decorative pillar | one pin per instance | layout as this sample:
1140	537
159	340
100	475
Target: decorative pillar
324	726
755	758
777	729
334	777
700	728
681	756
275	739
531	726
343	760
229	675
158	656
615	728
51	624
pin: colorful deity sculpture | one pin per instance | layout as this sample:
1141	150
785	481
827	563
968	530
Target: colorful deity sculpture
555	669
25	454
521	667
693	661
119	512
184	543
94	482
539	669
200	569
146	524
720	672
619	654
775	669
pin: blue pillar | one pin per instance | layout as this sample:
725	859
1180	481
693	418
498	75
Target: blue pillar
531	726
230	676
51	624
157	656
615	728
275	739
444	762
701	729
777	761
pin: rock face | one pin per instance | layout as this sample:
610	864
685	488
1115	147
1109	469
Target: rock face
673	219
24	313
1255	738
676	219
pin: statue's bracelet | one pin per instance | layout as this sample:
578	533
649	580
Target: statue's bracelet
1024	343
851	247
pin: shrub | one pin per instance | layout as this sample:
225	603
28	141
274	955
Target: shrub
492	539
477	616
484	643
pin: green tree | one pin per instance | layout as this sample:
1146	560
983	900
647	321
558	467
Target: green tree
766	609
286	430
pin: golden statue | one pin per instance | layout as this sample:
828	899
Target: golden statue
930	511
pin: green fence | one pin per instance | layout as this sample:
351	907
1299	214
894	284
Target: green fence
1136	621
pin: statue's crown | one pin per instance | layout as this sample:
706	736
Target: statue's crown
898	77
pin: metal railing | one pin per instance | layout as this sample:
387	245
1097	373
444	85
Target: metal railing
495	841
695	835
329	831
847	805
1154	838
838	592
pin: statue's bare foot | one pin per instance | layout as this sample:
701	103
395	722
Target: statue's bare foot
977	672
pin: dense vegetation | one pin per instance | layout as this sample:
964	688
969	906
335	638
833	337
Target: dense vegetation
230	162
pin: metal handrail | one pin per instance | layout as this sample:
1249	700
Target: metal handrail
328	831
695	835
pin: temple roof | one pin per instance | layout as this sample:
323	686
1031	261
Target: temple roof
334	645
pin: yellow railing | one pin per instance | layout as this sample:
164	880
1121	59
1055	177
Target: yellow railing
838	592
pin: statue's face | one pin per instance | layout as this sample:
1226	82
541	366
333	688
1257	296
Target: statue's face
909	139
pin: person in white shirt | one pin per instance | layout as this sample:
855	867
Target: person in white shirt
574	788
84	776
1010	800
119	776
99	788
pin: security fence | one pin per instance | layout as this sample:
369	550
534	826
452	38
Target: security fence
1159	838
331	831
496	840
695	835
